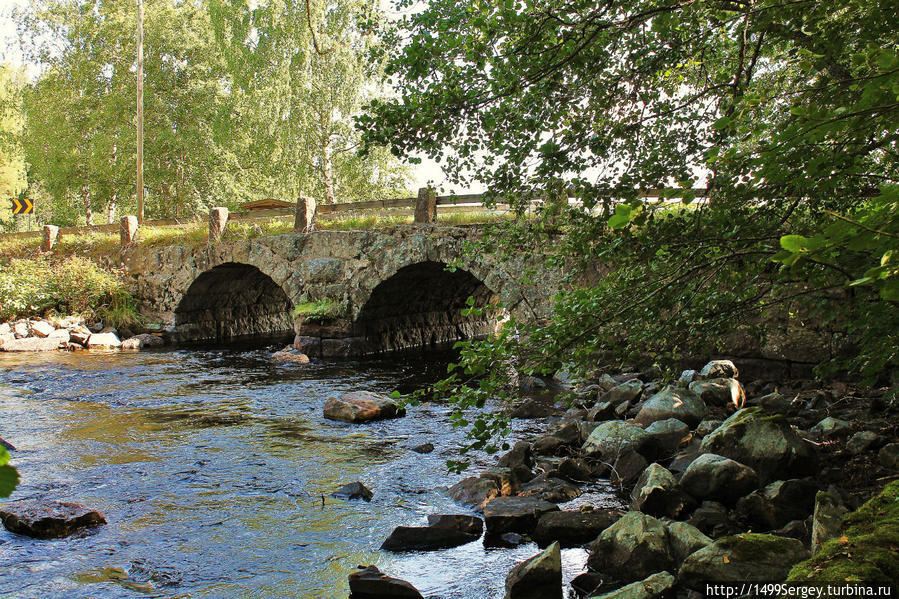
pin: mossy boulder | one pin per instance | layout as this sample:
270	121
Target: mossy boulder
866	548
608	440
673	402
764	442
745	558
632	548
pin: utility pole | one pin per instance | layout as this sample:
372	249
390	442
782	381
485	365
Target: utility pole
140	111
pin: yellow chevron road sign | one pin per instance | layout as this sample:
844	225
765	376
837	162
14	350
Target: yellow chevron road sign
22	206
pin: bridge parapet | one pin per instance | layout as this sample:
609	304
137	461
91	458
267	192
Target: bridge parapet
392	286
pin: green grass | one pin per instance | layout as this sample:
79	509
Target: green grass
320	310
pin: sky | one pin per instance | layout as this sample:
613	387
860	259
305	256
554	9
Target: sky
428	172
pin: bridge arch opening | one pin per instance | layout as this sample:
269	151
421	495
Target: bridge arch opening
422	306
230	301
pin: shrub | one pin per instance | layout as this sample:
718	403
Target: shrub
74	285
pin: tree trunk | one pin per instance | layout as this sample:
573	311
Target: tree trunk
326	174
88	209
110	209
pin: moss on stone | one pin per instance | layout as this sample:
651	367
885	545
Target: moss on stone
755	546
867	549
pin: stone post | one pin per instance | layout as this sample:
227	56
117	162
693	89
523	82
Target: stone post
218	220
426	206
305	217
51	236
128	230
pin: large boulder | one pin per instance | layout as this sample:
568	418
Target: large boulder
716	477
505	478
29	344
474	492
41	329
764	442
520	459
778	503
608	440
719	369
426	538
468	524
742	558
103	341
371	583
632	548
657	494
828	517
685	539
361	406
572	529
625	392
514	514
652	587
673	402
540	577
48	519
550	489
668	434
831	428
720	392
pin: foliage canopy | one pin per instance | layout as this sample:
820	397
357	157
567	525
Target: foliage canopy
785	115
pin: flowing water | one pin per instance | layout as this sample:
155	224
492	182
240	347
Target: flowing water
213	467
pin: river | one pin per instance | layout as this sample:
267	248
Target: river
210	465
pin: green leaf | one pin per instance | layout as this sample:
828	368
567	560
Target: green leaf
890	290
793	243
623	215
9	476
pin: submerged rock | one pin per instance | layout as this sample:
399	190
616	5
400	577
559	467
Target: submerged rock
361	406
474	491
468	524
426	538
290	356
514	514
48	519
423	448
540	577
354	490
371	583
571	529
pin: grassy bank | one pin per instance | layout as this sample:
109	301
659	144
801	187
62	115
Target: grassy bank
71	285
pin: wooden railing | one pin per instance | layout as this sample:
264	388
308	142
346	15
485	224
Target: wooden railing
426	206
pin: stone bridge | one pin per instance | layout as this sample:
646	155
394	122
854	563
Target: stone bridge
389	289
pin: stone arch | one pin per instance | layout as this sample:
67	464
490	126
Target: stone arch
421	305
231	300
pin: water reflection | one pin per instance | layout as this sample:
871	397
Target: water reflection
214	469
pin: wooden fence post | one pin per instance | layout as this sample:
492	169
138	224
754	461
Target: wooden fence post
51	236
128	230
304	221
218	221
426	206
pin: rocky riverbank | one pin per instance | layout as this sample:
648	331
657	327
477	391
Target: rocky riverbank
725	482
71	333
